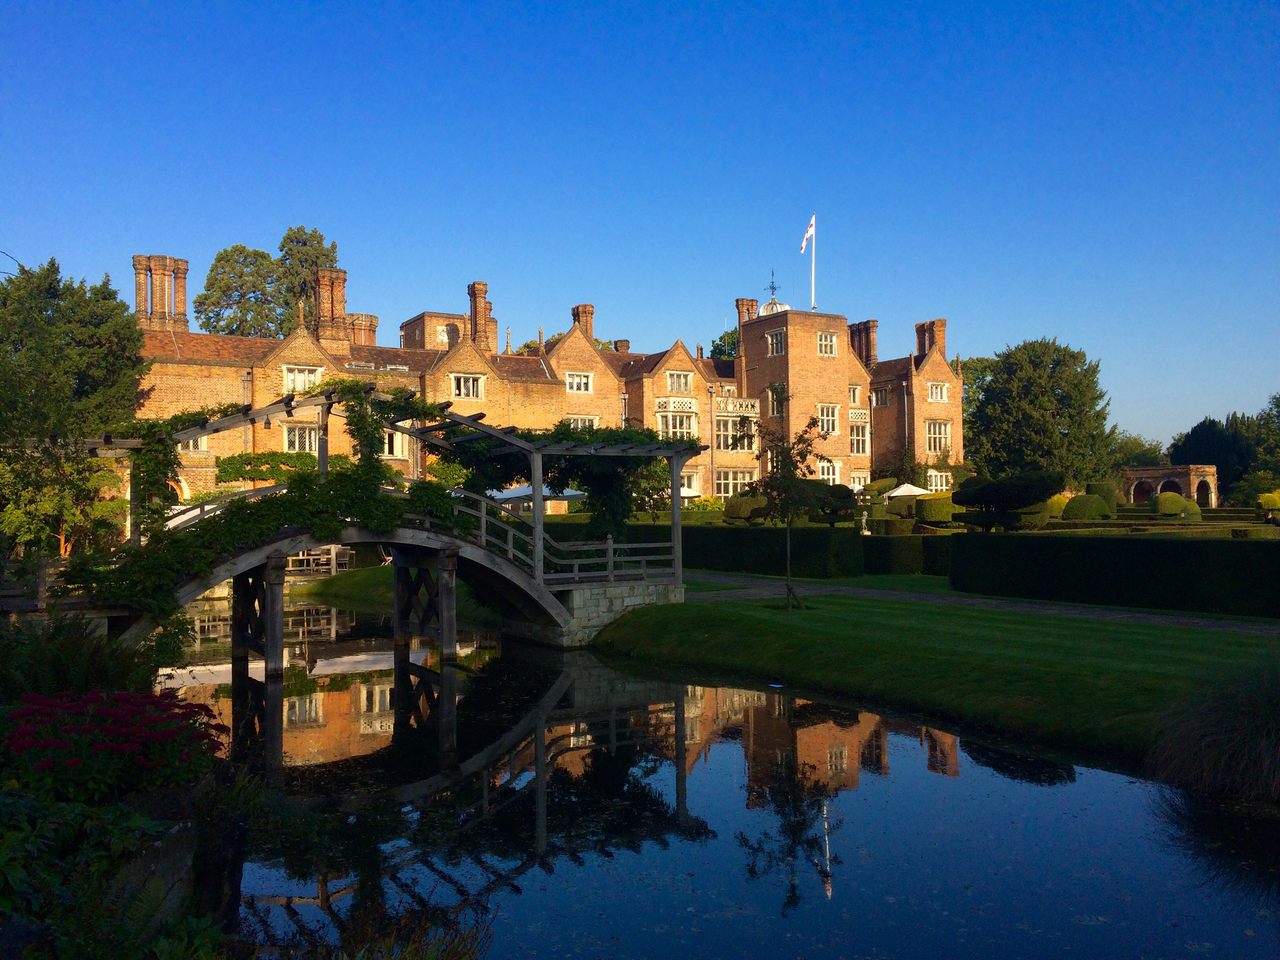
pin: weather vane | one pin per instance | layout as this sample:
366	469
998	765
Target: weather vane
772	287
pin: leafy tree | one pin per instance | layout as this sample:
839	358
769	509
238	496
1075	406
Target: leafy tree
725	346
530	347
976	373
1267	437
997	502
1251	486
1229	446
786	484
1042	409
242	295
70	367
302	253
1131	450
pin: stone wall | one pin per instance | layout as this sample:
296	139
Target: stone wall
597	605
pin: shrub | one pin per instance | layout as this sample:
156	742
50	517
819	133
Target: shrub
936	555
901	554
1033	517
739	507
70	654
1269	501
1224	739
1087	506
901	507
935	507
1106	491
1174	504
877	487
1057	503
101	746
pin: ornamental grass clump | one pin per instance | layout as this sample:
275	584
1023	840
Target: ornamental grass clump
105	746
1223	741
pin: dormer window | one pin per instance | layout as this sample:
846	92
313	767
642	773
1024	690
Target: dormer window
301	379
679	382
577	382
467	386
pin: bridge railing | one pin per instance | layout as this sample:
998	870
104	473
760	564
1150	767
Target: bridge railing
505	533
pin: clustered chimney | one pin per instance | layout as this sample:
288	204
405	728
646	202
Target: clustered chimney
165	279
364	329
930	333
332	325
862	340
622	346
484	329
584	316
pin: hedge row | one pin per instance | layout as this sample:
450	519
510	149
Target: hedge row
1167	573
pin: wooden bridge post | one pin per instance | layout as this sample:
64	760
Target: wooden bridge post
447	603
273	615
446	712
677	462
540	785
682	792
242	615
539	511
322	442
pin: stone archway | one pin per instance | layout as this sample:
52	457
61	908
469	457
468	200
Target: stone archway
1204	494
1171	486
1142	492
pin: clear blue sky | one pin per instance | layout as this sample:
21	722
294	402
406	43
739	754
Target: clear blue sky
1108	174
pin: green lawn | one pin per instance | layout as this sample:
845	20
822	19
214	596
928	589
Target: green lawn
373	590
907	582
1068	682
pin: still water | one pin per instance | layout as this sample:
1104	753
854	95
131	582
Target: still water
578	811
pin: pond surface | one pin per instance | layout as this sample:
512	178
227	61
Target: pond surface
579	811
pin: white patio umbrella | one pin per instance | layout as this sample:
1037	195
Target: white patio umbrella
525	492
905	490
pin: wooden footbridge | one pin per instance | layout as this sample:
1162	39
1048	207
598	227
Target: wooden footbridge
561	593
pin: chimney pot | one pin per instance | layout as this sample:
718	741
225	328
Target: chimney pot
622	346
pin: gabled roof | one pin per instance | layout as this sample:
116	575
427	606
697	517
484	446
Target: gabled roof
894	369
716	368
207	347
627	365
418	361
518	366
300	333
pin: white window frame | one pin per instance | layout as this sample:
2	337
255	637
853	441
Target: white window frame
729	438
777	403
937	436
938	480
198	444
937	392
393	445
776	342
457	390
829	418
689	485
687	429
576	382
855	395
728	390
299	379
442	333
858	442
582	423
729	482
859	479
829	472
301	438
826	343
679	381
880	396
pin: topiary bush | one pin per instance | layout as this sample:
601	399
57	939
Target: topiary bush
1105	490
1269	501
1087	506
1174	505
1057	503
901	507
739	507
877	487
935	507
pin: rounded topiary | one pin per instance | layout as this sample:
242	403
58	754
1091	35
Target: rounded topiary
739	507
1269	501
877	487
1057	503
935	507
901	507
1106	490
1086	506
1033	517
1175	506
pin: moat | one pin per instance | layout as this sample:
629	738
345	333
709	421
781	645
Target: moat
578	811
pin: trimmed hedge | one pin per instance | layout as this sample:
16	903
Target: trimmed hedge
936	555
1175	505
935	507
1087	506
1106	491
1167	573
894	554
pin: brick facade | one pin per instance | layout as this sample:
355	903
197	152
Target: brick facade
820	363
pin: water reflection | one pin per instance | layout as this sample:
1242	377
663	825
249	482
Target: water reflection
540	785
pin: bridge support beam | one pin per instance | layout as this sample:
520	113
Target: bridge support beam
427	598
257	626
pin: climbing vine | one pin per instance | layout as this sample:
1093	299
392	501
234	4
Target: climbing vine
613	484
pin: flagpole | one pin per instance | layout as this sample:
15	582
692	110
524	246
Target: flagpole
813	267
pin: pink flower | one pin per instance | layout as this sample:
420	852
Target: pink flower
44	765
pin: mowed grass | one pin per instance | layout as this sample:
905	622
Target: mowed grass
1067	682
373	590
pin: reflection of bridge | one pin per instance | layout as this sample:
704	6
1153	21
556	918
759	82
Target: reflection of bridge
561	593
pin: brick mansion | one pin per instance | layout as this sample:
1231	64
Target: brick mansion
791	365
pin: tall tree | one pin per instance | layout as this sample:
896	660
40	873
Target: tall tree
725	346
70	367
976	373
302	253
243	295
1132	450
1229	446
1042	409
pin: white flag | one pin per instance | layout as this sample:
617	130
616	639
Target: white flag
808	234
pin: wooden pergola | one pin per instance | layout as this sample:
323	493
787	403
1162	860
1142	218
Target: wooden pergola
432	436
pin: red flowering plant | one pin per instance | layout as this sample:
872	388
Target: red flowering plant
104	745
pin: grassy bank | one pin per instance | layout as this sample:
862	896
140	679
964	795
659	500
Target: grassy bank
373	590
1064	682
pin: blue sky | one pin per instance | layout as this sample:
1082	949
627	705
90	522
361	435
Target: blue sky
1103	173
